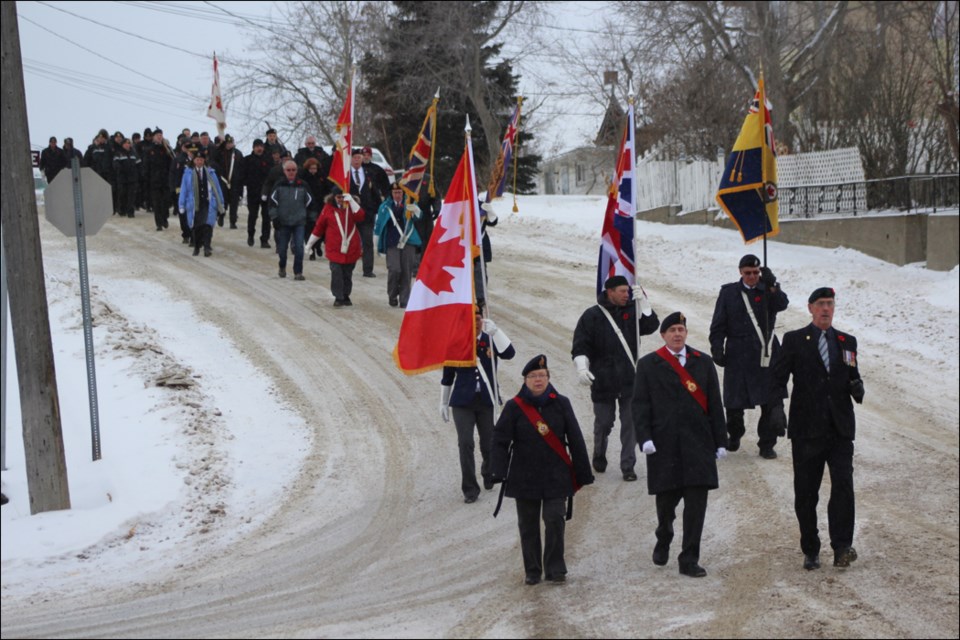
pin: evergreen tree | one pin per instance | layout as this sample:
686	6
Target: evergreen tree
427	45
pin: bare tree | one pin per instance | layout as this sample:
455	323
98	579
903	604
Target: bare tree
298	78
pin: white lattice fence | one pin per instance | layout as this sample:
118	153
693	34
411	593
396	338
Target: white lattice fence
693	185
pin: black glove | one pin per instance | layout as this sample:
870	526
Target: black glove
276	224
719	358
767	277
778	420
495	480
856	390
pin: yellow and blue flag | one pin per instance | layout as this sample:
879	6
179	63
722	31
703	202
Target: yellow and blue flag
748	186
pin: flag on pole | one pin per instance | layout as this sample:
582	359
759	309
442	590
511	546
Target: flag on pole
748	186
215	109
343	141
616	238
421	156
438	327
498	177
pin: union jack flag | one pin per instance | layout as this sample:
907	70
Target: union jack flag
616	238
498	177
421	156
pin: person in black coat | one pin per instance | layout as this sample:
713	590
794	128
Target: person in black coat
678	417
256	166
735	343
52	160
470	393
822	425
126	166
157	160
604	365
539	454
366	191
229	167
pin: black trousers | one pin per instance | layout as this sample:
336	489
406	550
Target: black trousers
160	198
366	243
232	197
694	512
772	420
202	235
479	414
548	558
256	208
809	458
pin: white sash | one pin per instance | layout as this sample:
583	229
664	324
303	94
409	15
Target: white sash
765	353
404	231
619	333
344	237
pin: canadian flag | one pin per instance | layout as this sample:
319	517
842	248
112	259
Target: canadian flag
438	327
343	139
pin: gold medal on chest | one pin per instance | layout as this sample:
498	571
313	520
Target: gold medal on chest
542	427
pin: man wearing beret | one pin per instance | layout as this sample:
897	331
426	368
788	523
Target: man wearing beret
256	168
539	453
822	425
678	416
605	348
742	341
230	169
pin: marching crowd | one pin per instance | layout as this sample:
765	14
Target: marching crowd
289	200
670	402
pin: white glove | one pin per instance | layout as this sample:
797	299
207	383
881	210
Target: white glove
648	447
445	391
183	212
413	210
350	200
264	197
488	209
312	241
645	307
489	327
499	337
583	370
721	453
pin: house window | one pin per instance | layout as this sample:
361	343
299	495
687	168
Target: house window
581	174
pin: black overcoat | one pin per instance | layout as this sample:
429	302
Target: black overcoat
686	438
745	383
536	472
610	365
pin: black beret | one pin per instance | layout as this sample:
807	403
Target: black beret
822	292
228	138
615	281
157	130
674	318
192	149
749	260
204	134
258	142
357	151
538	362
271	130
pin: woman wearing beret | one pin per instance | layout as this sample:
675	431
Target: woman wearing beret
539	454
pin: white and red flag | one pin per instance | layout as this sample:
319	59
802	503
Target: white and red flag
438	327
215	109
343	139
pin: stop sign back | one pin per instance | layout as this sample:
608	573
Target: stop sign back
59	203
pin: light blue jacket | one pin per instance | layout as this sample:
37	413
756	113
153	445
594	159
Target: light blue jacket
188	195
388	233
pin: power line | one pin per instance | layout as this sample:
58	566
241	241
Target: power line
103	57
200	13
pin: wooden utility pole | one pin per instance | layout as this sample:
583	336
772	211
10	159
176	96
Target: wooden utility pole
39	403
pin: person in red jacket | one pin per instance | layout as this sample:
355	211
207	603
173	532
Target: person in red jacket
337	225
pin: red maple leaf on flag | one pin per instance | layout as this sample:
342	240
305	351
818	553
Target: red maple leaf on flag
445	252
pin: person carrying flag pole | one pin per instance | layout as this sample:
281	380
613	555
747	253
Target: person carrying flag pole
442	327
606	340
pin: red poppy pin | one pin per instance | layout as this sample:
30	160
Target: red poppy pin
757	299
482	344
841	338
696	354
553	395
626	316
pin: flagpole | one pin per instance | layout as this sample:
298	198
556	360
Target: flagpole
762	113
633	198
516	154
475	218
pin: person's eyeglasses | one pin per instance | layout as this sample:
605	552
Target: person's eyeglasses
537	376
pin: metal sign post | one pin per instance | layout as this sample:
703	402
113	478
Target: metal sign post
84	186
